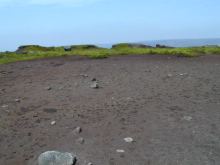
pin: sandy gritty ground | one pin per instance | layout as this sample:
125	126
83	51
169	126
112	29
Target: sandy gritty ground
170	106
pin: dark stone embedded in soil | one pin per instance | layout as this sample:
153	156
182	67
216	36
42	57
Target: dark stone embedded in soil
50	110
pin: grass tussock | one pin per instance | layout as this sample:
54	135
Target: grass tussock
37	52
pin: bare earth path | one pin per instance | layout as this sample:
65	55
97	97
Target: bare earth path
170	106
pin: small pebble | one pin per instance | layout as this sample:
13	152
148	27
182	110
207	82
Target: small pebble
182	74
61	87
120	151
169	75
188	118
94	79
78	130
89	163
17	100
80	140
94	85
4	106
128	140
84	75
53	123
48	88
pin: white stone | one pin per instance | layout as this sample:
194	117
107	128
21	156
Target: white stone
53	122
80	140
4	106
120	151
94	85
17	100
78	130
169	75
56	158
128	139
188	118
48	88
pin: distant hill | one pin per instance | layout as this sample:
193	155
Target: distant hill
177	42
184	42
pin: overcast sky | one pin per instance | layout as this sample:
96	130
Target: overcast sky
65	22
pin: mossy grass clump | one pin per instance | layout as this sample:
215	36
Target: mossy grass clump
33	48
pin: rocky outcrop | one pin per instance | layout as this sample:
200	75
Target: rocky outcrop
32	48
130	45
162	46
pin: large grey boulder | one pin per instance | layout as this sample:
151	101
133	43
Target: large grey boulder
56	158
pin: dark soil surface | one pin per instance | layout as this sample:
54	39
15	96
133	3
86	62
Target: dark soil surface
170	106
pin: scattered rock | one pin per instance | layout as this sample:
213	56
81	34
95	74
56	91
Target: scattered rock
89	163
56	158
94	85
188	118
76	84
84	75
4	106
50	110
128	98
78	130
183	74
120	151
94	79
169	75
53	122
128	140
80	140
17	100
48	88
61	87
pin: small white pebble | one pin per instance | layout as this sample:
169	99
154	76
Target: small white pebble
17	100
169	75
128	139
94	85
53	123
120	151
188	118
89	163
80	140
78	130
4	106
129	98
182	74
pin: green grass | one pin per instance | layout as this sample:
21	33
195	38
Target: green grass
34	52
